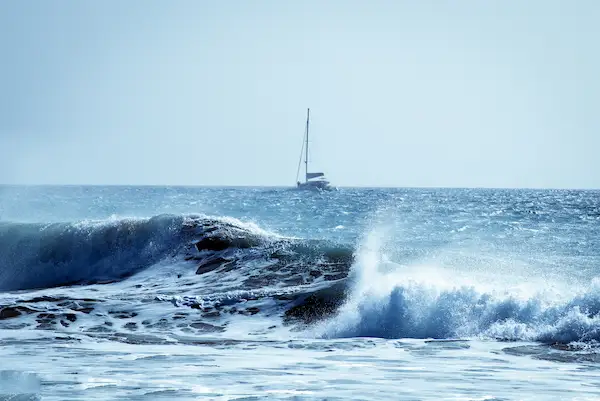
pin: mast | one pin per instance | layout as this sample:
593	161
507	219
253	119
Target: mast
306	154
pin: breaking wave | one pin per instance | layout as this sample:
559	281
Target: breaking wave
400	304
47	255
36	256
328	289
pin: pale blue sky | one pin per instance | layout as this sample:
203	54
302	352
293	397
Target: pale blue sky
402	93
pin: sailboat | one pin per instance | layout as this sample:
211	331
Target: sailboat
313	181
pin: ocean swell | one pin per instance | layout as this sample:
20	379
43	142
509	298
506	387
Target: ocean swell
48	255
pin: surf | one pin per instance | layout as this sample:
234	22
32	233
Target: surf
37	256
434	303
326	289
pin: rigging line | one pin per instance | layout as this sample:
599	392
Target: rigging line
301	153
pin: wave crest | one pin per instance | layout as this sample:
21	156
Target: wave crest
34	256
417	311
395	305
47	255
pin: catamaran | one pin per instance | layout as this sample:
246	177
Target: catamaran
312	180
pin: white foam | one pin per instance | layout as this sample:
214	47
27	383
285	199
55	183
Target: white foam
427	301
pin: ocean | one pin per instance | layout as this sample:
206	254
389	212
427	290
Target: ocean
189	293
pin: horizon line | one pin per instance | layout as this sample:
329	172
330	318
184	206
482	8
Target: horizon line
293	187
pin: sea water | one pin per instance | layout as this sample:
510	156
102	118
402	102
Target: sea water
149	293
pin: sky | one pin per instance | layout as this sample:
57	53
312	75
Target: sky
402	93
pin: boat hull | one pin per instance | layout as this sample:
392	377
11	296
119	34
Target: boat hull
315	186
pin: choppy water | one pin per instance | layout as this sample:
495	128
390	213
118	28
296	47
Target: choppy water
261	293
